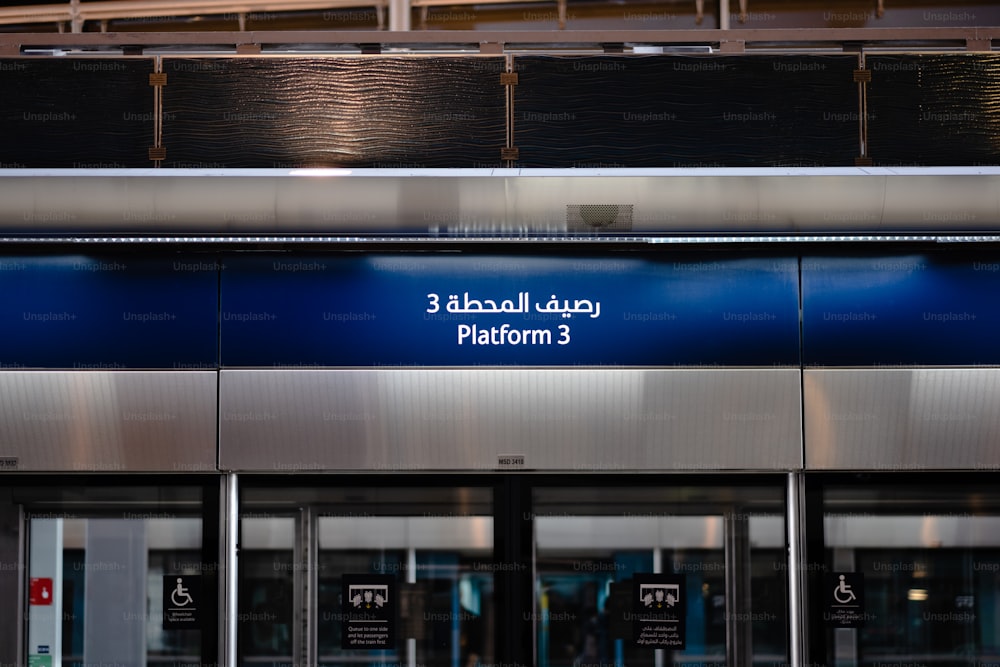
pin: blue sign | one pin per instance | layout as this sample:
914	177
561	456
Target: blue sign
84	312
462	310
906	310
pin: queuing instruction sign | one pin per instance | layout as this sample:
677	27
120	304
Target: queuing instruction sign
658	611
369	605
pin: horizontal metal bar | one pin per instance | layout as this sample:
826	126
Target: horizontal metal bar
838	204
486	240
958	36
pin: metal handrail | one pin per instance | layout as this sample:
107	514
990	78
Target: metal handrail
727	41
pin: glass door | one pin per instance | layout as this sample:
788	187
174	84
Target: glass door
467	571
367	574
120	574
908	570
611	559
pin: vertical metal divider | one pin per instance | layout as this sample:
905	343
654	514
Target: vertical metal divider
797	604
312	588
22	590
795	522
230	602
411	578
863	107
509	98
724	14
736	541
659	654
157	109
305	580
514	577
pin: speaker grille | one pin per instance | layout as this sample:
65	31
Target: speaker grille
603	217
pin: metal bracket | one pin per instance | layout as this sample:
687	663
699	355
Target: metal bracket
862	76
508	79
509	153
158	79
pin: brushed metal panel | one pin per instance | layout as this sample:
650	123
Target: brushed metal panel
466	419
109	421
902	419
497	201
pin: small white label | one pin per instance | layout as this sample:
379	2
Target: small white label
510	460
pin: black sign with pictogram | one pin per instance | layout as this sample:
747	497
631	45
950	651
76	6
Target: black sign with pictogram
370	611
658	611
181	595
844	596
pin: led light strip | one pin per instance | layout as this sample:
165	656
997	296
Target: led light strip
476	240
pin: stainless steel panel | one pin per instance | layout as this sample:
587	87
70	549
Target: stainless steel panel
469	419
902	419
497	201
108	421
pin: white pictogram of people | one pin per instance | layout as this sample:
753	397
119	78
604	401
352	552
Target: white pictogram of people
659	598
368	599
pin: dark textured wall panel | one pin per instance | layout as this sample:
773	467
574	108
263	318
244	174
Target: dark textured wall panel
371	111
684	111
931	110
75	112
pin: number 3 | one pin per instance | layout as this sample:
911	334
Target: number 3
563	334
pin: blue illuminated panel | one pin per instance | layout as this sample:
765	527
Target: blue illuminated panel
108	312
449	310
907	310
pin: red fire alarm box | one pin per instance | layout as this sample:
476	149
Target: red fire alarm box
40	591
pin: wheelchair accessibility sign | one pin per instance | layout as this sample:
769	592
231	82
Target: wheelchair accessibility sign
180	601
845	600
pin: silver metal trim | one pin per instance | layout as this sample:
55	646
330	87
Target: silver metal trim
900	419
182	205
109	421
534	240
393	419
794	508
231	564
955	39
736	545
